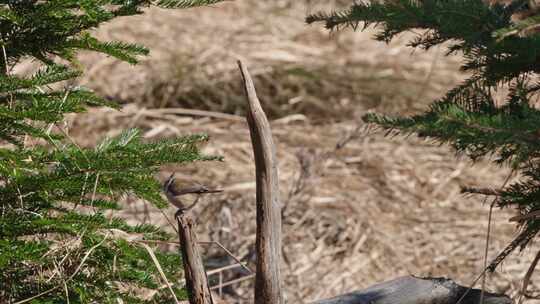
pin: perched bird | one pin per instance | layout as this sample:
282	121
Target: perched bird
174	190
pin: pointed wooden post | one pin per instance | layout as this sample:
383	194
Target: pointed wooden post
268	239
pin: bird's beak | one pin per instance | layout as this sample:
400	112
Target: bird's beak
214	191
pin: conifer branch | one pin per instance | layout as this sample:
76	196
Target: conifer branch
44	187
184	3
472	117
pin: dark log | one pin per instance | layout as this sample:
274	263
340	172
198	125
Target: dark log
413	290
196	280
268	239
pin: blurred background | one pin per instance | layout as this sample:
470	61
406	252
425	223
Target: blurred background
359	207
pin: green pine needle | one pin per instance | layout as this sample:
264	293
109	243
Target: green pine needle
472	117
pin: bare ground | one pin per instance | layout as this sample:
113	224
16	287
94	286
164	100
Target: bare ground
369	211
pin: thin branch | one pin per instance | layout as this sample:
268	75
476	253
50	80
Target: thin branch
231	282
192	112
531	215
528	276
483	191
229	253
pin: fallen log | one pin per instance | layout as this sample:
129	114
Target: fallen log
413	290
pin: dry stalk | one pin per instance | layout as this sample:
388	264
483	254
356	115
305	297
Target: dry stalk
160	270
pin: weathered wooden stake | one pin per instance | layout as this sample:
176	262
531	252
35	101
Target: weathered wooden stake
268	239
196	280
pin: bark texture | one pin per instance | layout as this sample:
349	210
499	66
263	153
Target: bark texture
196	280
413	290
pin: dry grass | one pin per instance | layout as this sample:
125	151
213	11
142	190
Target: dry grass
304	69
369	211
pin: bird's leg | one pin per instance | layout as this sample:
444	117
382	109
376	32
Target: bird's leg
194	203
180	211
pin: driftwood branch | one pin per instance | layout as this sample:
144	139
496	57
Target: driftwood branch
268	240
412	290
196	280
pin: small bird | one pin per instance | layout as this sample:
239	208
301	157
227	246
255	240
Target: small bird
173	190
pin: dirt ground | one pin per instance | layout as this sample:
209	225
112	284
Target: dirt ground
354	214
